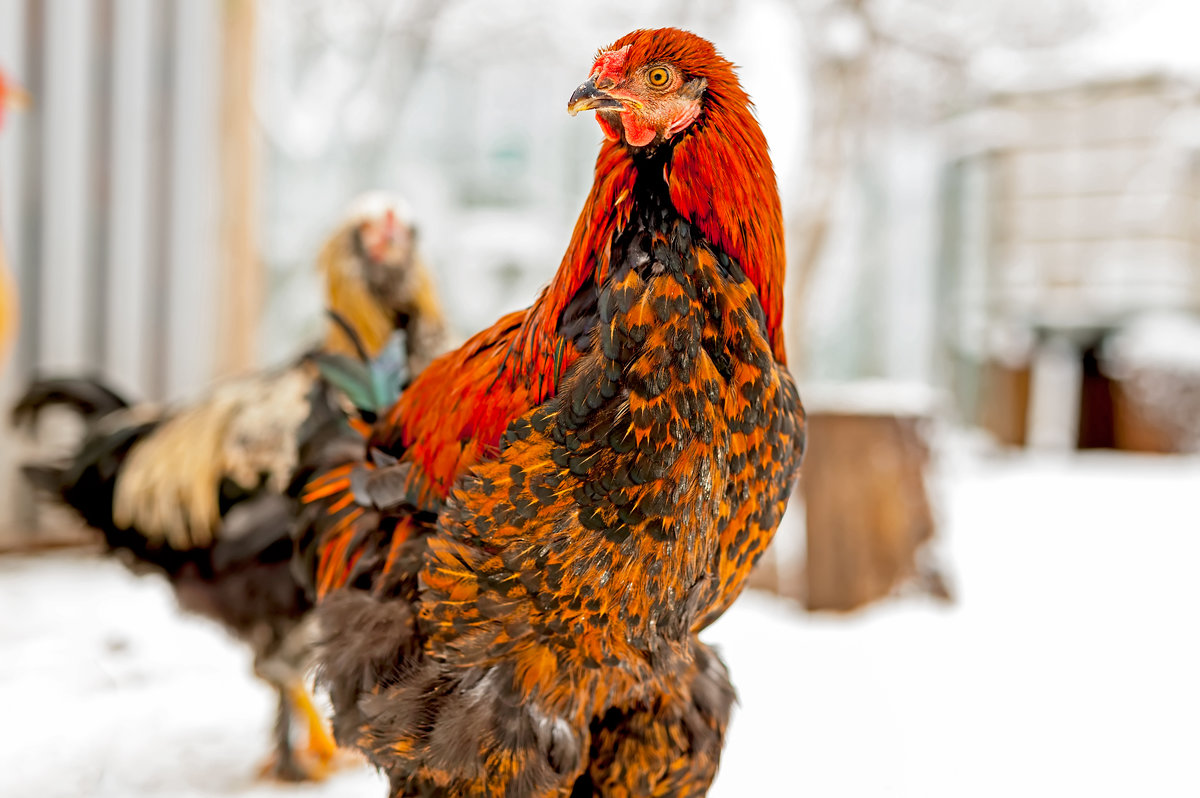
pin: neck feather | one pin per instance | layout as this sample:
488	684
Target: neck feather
720	178
606	210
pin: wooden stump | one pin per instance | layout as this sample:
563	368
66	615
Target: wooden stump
1157	411
867	509
1004	402
1135	429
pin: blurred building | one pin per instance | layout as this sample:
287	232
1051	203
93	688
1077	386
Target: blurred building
1069	213
110	198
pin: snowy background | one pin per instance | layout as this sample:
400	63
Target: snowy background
1067	666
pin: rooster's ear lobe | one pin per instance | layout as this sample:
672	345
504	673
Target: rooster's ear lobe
693	89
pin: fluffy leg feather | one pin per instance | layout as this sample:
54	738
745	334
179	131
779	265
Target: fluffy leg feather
668	747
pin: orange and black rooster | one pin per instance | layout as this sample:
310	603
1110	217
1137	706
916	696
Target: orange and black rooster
203	493
512	580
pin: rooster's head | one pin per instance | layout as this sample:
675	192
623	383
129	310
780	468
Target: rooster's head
381	229
652	86
668	92
372	273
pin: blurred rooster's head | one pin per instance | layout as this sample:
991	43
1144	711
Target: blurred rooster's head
381	228
374	278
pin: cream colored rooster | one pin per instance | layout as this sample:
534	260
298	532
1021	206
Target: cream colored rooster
203	493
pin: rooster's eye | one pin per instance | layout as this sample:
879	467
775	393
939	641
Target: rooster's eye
658	77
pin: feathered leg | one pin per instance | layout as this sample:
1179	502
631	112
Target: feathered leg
668	747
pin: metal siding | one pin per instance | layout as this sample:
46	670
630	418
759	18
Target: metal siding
127	354
66	104
195	169
108	193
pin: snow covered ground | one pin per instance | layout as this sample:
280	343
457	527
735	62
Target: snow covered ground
1069	666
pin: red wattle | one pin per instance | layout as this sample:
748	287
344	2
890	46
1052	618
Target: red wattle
635	134
610	131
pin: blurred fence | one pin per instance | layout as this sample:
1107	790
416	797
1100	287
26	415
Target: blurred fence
109	198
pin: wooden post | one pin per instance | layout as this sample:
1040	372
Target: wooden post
866	508
1097	421
243	280
1136	427
1156	410
1004	401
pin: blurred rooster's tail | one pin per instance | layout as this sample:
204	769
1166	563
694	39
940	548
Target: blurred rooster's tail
90	398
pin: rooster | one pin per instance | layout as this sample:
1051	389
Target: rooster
368	285
11	96
512	580
201	493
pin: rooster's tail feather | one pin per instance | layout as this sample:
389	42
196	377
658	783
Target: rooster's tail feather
90	398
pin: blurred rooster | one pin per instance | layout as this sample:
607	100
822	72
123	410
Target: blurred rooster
11	96
376	280
201	493
512	579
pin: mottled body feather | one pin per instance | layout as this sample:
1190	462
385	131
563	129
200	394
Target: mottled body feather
514	575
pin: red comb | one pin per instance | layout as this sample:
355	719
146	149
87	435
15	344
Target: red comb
385	230
611	64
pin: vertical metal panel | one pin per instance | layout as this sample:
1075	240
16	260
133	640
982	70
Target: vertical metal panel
12	60
195	170
66	106
127	357
96	264
108	199
159	155
13	54
27	232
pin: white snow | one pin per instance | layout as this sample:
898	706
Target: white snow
1167	341
1068	665
873	397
